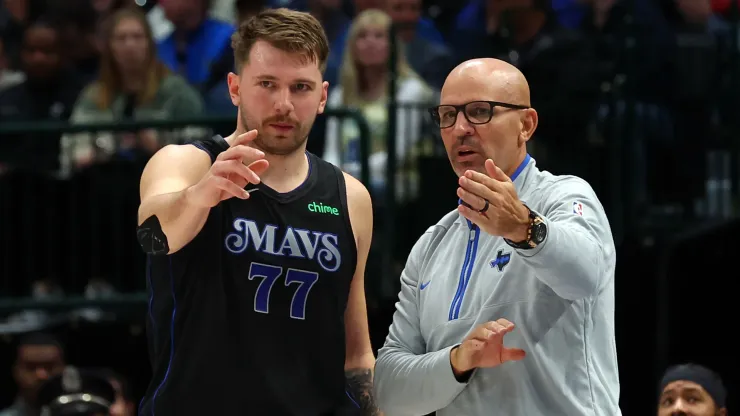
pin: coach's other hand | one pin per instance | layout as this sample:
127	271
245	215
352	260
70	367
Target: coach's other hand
484	348
504	215
230	173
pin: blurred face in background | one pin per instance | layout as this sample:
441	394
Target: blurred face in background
35	365
40	54
328	4
279	94
695	11
102	6
405	14
362	5
186	15
686	398
129	44
371	48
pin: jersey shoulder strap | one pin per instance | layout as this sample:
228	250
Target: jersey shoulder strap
213	146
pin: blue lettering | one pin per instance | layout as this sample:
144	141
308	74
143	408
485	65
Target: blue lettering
269	274
295	242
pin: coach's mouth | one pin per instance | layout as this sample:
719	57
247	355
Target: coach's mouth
465	153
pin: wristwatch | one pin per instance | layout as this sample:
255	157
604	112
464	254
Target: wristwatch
536	233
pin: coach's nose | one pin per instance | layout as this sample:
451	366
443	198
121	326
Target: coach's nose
462	126
284	101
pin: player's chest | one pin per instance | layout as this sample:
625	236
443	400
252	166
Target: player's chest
284	264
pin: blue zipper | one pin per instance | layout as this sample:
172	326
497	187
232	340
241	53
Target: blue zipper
466	271
470	252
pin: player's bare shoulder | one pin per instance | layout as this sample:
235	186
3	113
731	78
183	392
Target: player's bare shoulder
358	197
175	154
184	164
360	207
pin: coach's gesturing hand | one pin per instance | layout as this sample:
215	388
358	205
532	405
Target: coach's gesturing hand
493	204
484	347
230	173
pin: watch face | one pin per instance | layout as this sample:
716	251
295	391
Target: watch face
539	232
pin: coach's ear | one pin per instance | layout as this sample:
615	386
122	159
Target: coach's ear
324	97
233	81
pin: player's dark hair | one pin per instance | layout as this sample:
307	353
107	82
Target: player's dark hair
288	30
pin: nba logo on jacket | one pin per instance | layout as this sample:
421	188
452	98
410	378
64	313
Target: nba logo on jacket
577	208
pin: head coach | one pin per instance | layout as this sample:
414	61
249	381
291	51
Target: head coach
524	248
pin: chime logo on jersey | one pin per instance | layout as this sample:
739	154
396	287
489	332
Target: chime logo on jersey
290	242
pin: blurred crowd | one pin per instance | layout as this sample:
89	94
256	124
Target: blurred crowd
587	61
108	60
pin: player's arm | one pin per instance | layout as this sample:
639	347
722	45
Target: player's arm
408	379
578	247
359	361
166	177
179	186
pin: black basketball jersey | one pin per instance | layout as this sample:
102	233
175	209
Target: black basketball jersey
248	319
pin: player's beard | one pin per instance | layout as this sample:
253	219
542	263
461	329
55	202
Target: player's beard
282	145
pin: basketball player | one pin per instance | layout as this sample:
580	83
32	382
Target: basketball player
257	249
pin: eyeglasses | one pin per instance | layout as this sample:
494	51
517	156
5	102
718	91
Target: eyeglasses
476	112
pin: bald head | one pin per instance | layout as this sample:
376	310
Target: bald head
498	80
489	100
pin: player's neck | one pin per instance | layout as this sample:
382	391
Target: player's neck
286	172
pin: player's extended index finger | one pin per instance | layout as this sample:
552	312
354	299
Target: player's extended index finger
244	138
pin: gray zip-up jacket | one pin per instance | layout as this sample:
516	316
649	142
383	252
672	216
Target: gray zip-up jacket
560	296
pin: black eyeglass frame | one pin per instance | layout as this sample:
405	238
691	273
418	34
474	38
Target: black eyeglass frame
434	111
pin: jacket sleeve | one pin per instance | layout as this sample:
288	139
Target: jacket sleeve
408	379
577	256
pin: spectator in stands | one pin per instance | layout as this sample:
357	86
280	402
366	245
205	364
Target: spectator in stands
48	93
691	389
13	19
336	24
362	5
247	8
105	9
642	71
8	76
78	22
124	403
134	84
217	95
703	41
39	357
363	84
424	46
410	22
199	48
559	65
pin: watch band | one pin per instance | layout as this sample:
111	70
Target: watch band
527	243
